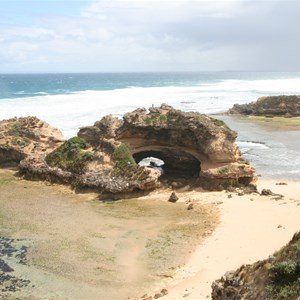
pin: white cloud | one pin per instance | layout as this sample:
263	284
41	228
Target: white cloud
141	35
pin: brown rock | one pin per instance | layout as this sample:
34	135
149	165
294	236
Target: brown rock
21	137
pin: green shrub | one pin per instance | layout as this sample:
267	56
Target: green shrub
123	157
155	119
285	272
70	156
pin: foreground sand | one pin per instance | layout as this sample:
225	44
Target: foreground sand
252	227
61	245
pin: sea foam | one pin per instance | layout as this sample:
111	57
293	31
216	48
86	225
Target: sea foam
71	111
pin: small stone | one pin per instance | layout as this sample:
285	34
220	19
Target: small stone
281	183
190	206
164	292
229	196
279	226
241	193
266	192
173	198
158	295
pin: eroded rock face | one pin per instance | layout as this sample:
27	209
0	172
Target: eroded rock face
21	137
270	106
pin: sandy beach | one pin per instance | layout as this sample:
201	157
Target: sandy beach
251	228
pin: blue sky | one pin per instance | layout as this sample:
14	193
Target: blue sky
25	12
144	35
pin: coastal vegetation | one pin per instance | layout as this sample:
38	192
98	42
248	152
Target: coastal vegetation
123	157
285	272
71	156
277	277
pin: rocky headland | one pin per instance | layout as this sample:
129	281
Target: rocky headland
104	157
287	106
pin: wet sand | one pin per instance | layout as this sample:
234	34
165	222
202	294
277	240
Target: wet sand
60	245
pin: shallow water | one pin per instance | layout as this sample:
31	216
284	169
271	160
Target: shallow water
274	149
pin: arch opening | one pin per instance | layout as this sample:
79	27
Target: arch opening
171	163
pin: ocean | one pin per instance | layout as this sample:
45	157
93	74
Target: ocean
70	101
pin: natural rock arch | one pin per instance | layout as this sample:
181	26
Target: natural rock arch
177	163
189	142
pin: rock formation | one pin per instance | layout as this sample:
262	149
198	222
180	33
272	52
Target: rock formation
288	106
277	277
104	157
21	137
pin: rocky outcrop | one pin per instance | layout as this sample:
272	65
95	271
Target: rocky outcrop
288	106
21	137
277	277
104	157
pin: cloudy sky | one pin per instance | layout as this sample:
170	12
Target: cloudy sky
154	35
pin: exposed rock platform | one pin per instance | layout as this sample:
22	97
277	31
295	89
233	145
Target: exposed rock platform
288	106
104	157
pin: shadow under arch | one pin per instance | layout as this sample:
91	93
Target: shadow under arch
177	163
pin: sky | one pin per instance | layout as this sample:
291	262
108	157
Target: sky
149	36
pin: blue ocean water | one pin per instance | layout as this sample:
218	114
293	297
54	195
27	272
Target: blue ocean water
70	101
30	85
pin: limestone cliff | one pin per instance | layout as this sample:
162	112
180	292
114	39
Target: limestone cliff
104	157
270	106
